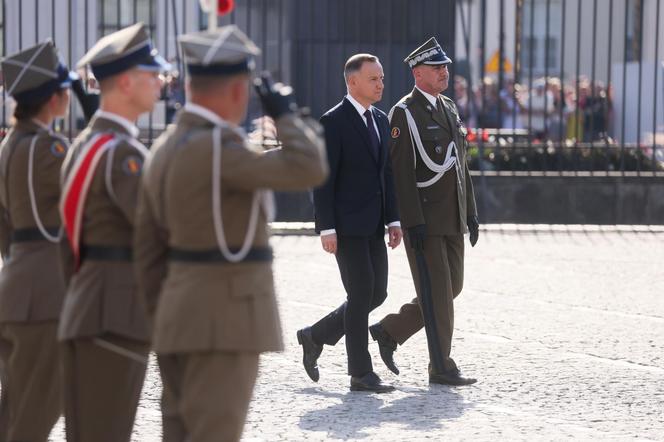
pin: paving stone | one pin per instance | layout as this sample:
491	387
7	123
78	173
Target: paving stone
562	327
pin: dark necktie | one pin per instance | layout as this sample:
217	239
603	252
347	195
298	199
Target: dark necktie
439	105
373	136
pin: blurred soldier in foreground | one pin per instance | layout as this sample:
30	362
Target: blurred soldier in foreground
103	325
31	284
202	252
437	206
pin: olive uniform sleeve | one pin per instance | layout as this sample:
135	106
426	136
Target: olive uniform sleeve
126	177
150	252
66	254
471	207
299	164
403	171
5	231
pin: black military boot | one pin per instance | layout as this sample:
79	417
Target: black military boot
386	345
311	352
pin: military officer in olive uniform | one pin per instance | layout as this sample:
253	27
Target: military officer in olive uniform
103	325
202	252
31	284
437	206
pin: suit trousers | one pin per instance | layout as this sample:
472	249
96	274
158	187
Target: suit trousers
206	395
103	378
362	263
444	258
31	389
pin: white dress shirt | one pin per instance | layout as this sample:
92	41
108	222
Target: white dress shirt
360	110
433	100
122	121
204	113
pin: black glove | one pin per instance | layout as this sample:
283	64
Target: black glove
277	99
89	102
416	234
474	228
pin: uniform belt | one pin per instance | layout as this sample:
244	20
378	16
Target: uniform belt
106	253
263	254
32	234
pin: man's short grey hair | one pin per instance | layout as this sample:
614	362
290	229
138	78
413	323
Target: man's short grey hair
354	63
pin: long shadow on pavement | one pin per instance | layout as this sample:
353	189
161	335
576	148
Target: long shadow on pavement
355	412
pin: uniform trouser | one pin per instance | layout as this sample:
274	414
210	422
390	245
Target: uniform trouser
206	395
103	378
5	350
444	258
31	391
363	266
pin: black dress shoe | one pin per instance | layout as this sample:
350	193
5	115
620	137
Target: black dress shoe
369	382
386	345
450	378
311	351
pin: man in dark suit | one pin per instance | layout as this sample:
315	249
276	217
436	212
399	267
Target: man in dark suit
352	209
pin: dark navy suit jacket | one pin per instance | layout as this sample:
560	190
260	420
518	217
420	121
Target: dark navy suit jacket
359	194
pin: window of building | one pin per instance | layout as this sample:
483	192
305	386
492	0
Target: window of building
529	53
2	29
117	14
552	54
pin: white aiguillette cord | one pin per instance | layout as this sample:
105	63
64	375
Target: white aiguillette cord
33	199
216	207
121	351
438	169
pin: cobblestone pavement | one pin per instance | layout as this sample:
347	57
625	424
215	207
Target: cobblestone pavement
563	329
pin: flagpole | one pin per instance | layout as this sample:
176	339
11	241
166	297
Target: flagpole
212	18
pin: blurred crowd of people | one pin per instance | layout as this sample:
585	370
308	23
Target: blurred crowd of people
546	108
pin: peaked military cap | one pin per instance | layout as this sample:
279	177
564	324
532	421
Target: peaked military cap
35	73
429	53
122	50
224	51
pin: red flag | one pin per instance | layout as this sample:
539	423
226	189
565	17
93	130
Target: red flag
225	6
76	189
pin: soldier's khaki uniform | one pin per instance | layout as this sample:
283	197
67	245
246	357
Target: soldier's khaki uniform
443	206
212	317
103	325
102	321
31	283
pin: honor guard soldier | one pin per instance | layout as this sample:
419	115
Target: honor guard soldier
437	206
103	325
204	264
31	283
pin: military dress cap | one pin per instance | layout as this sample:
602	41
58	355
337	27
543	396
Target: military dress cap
35	73
123	50
224	51
429	53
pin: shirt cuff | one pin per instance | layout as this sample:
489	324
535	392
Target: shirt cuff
328	232
394	224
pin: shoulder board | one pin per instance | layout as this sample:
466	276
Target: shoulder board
400	105
130	141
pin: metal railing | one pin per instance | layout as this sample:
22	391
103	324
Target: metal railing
544	85
573	85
